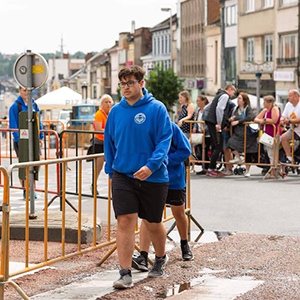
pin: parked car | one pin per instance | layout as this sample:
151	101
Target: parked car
64	117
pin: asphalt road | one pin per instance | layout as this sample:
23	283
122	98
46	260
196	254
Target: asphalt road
230	204
247	205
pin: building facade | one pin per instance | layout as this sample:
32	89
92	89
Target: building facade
252	44
268	49
229	41
199	45
286	74
192	45
256	47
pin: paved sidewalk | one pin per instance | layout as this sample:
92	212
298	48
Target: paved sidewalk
230	204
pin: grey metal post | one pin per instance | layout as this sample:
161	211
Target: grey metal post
171	40
171	34
298	64
258	75
29	55
223	71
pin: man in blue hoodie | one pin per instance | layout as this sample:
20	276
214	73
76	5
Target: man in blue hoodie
180	150
21	105
136	143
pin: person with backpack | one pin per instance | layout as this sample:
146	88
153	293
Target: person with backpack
216	120
21	105
180	150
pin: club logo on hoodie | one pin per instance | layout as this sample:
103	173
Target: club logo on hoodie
139	118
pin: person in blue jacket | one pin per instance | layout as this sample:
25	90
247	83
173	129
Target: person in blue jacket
21	105
179	151
137	139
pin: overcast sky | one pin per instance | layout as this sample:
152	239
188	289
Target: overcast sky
88	25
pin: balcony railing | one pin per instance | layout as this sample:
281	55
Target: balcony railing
252	67
287	61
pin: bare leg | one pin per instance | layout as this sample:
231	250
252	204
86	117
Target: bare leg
181	220
228	157
100	162
144	238
125	239
236	153
286	145
157	234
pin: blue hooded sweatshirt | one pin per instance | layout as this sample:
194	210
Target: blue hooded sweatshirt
138	135
179	151
14	116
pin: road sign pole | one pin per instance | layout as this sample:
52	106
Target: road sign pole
31	72
30	132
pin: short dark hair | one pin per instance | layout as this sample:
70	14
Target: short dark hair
134	70
230	86
203	98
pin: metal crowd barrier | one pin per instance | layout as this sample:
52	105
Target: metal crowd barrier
5	208
166	218
276	148
46	153
78	150
6	276
54	146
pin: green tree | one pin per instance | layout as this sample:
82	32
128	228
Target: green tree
78	54
6	65
164	85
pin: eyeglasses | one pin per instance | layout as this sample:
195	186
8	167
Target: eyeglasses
129	83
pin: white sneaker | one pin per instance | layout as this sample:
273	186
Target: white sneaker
228	173
236	160
247	174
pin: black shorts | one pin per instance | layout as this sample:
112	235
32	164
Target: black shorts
99	148
176	197
96	148
130	195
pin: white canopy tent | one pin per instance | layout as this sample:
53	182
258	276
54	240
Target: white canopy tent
253	102
63	98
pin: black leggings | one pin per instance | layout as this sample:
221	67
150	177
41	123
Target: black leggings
216	140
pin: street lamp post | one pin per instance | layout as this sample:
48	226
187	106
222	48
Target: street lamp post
258	76
84	91
171	35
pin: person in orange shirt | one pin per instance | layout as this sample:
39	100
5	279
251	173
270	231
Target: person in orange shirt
106	103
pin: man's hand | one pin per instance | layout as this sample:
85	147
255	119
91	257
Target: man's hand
218	127
286	121
143	173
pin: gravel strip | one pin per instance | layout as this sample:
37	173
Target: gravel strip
273	259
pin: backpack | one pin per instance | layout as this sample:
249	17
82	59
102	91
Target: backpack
205	111
20	107
186	161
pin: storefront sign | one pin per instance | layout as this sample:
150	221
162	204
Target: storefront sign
267	87
284	76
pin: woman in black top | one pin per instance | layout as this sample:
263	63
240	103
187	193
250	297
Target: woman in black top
187	111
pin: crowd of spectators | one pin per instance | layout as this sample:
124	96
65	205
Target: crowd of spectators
233	133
